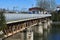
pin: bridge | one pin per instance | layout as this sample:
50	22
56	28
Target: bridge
26	25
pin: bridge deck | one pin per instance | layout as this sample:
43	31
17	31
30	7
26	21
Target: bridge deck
11	18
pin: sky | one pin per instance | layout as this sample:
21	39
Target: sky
19	4
58	2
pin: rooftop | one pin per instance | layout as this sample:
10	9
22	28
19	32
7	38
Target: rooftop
36	8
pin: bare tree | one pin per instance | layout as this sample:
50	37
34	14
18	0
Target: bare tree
46	4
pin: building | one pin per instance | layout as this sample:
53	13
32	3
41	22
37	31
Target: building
37	10
58	8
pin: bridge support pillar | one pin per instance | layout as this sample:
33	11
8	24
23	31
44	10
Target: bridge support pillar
40	28
49	25
46	28
29	34
45	25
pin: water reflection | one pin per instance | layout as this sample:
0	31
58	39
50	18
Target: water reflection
54	34
37	36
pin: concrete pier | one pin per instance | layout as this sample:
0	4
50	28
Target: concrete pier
40	28
29	35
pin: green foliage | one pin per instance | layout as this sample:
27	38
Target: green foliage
2	21
56	16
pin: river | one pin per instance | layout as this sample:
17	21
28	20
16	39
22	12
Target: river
54	34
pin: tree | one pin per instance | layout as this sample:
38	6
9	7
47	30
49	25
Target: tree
56	16
2	21
46	4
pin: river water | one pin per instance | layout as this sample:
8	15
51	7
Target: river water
54	34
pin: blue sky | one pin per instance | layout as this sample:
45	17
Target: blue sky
19	4
58	2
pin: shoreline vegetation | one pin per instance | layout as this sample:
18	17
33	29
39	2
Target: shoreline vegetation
2	23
